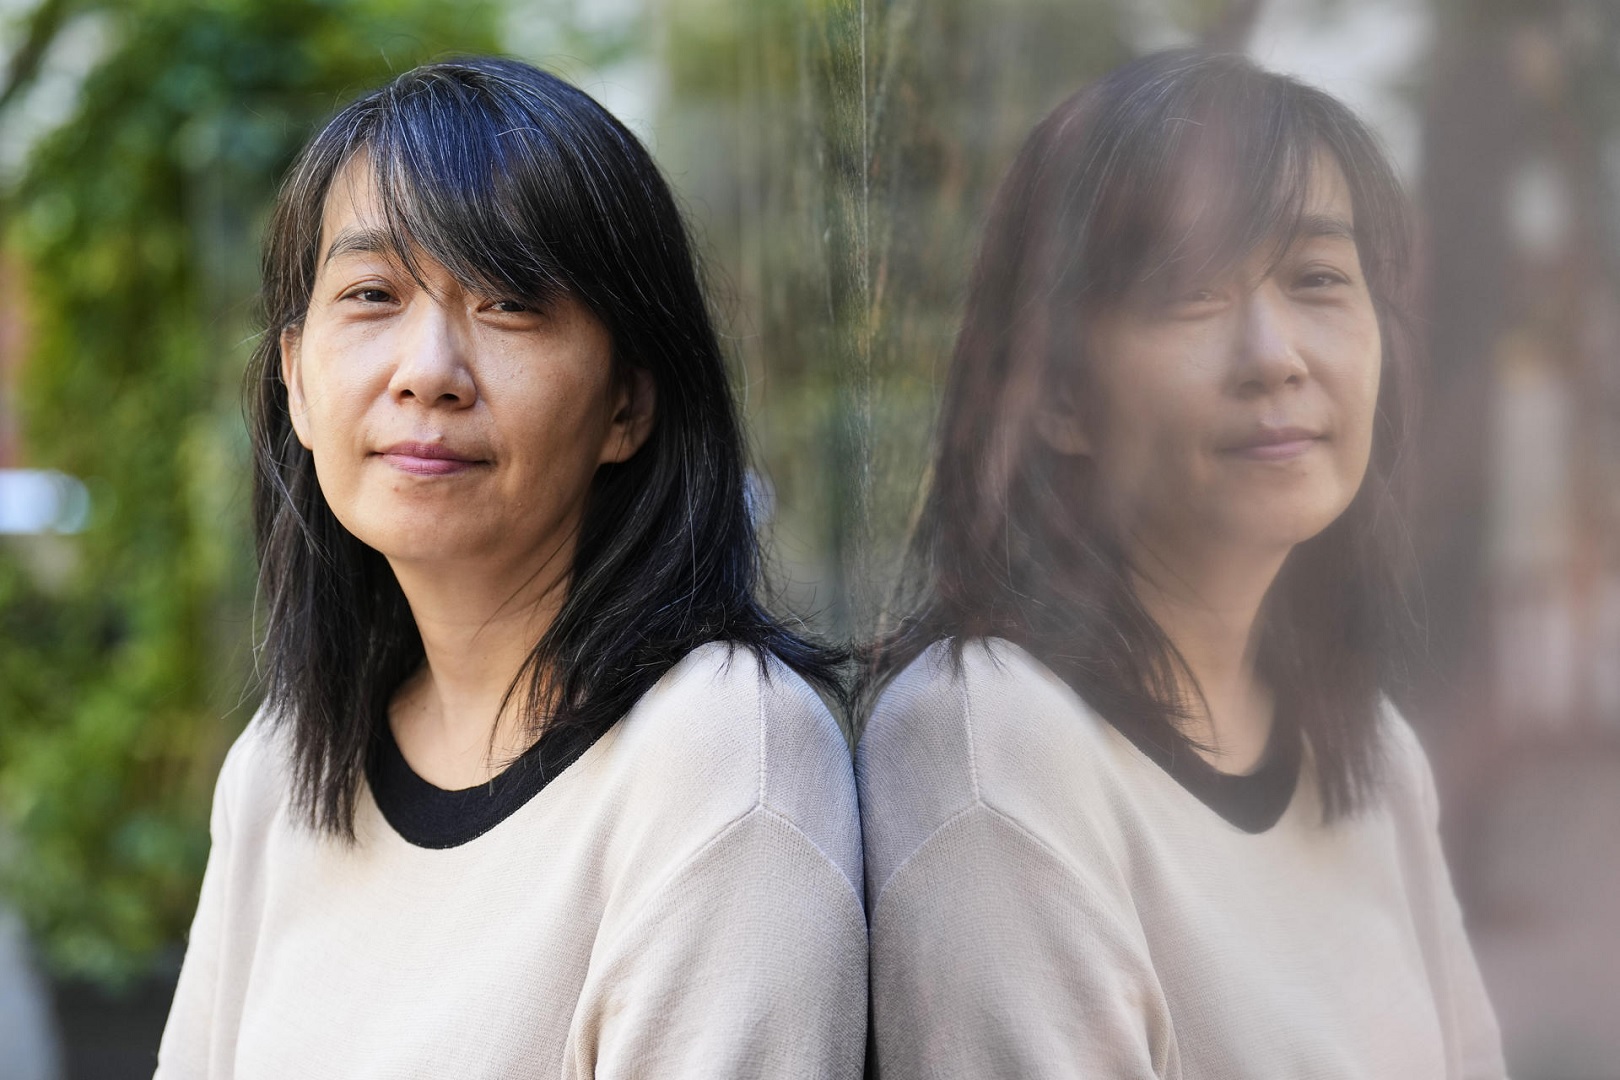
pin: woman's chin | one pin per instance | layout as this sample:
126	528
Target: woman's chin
1283	530
1287	514
427	543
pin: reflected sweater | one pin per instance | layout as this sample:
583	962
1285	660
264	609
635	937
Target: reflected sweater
680	901
1047	902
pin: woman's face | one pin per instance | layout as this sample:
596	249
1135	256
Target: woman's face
447	424
1238	410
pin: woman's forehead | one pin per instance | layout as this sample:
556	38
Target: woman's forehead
352	216
380	203
1213	193
355	220
1327	192
1210	220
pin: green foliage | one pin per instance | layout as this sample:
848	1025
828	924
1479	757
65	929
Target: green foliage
136	224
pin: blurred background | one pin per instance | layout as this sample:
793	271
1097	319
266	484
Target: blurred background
836	158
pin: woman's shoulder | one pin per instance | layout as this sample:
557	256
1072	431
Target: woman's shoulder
965	699
978	726
728	699
1406	779
729	730
255	777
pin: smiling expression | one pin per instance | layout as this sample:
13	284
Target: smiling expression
1238	409
447	423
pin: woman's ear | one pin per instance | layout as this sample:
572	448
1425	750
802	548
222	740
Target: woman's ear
292	374
1059	426
634	407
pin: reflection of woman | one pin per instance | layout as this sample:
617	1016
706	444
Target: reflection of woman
499	493
1135	806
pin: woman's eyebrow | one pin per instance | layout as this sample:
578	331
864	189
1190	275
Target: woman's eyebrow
1312	226
360	240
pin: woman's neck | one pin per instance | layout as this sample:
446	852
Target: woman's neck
1208	605
451	718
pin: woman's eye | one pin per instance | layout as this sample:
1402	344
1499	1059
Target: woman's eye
1321	279
1196	298
371	295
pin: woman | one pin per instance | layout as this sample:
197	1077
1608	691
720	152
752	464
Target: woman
1134	804
534	790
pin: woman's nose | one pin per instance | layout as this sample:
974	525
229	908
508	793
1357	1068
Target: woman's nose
1268	355
432	365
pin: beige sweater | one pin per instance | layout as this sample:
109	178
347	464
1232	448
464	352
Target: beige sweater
682	901
1045	901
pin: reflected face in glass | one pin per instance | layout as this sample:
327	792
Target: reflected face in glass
446	423
1237	409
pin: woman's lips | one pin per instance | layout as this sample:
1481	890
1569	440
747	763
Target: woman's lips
1278	444
429	459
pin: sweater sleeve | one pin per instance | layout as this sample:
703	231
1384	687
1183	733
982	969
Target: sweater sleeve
186	1049
749	961
1473	1041
992	957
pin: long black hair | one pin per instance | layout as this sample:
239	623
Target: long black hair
1010	541
518	184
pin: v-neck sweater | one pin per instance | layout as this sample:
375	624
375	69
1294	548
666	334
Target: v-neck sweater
1046	901
681	901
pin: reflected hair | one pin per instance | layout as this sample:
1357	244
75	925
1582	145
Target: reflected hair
520	185
1174	165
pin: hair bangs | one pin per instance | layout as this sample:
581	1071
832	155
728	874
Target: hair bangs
471	184
1213	172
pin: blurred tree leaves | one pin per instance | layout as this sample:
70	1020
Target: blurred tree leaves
136	224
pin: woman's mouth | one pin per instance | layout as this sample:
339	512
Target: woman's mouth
1274	444
429	459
